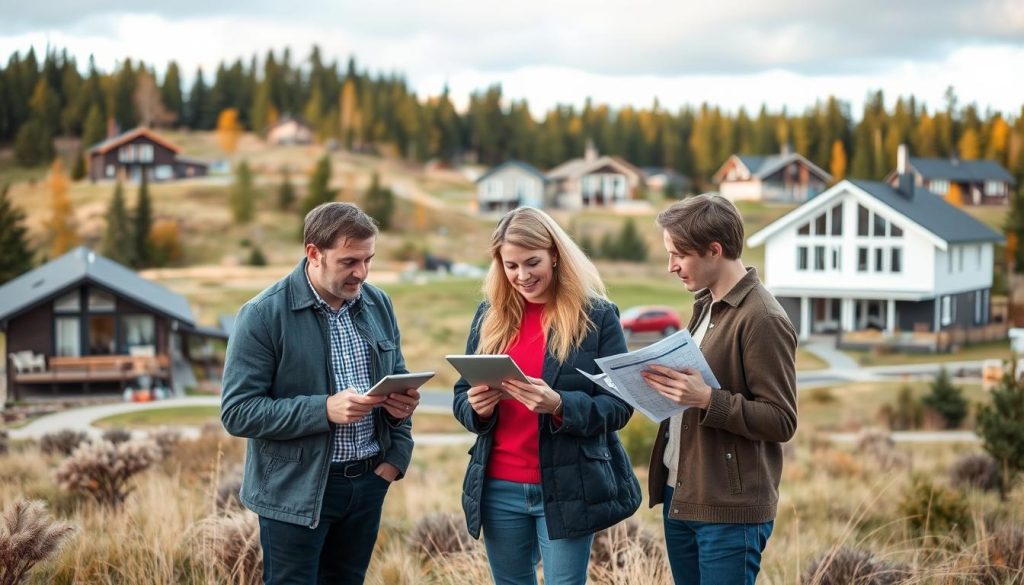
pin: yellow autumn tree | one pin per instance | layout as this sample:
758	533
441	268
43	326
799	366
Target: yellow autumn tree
954	195
165	239
837	166
968	146
350	119
229	130
62	219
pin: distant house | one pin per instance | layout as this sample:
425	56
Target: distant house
784	177
96	325
971	182
141	151
290	130
509	185
666	180
595	181
878	264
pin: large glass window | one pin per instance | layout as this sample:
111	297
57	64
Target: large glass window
896	260
862	259
801	258
819	258
880	224
68	336
100	301
863	218
102	338
69	303
138	330
837	220
820	227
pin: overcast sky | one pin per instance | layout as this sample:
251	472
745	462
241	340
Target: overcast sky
727	52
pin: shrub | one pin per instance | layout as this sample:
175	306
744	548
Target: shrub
851	566
946	399
908	413
638	439
441	534
230	546
256	257
103	469
228	499
822	395
880	447
62	442
1001	426
933	510
166	440
615	547
28	535
117	436
975	471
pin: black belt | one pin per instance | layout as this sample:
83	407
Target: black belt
352	469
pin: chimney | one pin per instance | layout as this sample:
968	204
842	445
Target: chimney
590	154
903	174
785	149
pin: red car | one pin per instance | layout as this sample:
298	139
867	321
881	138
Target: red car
660	319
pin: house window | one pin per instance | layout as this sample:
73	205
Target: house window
819	258
896	260
895	231
947	310
804	230
837	254
863	219
880	225
163	172
493	189
100	301
960	259
949	260
939	187
69	303
879	259
837	220
68	336
110	170
995	188
977	257
138	330
145	153
862	259
977	307
801	258
821	225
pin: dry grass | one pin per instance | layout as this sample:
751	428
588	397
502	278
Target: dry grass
832	497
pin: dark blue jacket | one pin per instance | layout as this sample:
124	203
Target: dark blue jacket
277	377
586	477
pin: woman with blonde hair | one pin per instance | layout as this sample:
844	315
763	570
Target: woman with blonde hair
547	470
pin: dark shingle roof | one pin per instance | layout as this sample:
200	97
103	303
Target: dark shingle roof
514	163
960	170
82	265
933	213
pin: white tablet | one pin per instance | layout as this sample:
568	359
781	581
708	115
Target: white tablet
399	383
487	370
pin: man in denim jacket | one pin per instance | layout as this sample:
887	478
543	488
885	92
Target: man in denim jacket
321	454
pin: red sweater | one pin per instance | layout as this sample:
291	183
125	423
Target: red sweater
515	455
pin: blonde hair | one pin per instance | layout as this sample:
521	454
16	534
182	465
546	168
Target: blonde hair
575	286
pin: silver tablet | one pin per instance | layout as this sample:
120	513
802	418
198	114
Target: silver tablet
399	383
487	370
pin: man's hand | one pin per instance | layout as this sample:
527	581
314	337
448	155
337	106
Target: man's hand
348	406
401	404
536	396
685	387
483	399
387	472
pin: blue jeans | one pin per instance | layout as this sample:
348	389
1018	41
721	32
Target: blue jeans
516	536
336	551
708	553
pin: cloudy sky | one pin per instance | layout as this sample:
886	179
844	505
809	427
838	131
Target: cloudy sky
730	52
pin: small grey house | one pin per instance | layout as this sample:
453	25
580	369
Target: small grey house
970	182
784	177
85	322
509	185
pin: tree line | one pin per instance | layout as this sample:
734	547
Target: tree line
42	99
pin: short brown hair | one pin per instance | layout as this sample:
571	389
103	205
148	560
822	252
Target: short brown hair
694	223
328	222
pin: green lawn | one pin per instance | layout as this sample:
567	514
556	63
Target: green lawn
980	351
170	416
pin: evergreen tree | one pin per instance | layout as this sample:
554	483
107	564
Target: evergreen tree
122	98
263	113
170	91
78	171
380	203
200	110
631	246
34	144
286	193
95	129
1001	426
610	247
15	254
143	221
946	399
256	257
242	198
117	239
319	190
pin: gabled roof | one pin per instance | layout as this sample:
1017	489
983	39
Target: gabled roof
931	213
578	167
83	265
959	170
112	143
289	118
761	166
513	164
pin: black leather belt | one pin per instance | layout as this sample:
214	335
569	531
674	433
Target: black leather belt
351	469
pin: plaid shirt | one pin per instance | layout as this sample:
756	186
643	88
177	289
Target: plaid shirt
350	363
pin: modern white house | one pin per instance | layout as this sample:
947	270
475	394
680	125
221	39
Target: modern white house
877	264
509	185
595	181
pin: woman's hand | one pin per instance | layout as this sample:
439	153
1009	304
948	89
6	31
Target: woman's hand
536	396
483	399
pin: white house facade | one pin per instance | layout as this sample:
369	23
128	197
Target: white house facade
510	185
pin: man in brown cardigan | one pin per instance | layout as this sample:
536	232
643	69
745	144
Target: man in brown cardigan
717	465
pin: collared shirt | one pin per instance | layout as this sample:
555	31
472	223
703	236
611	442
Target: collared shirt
350	364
